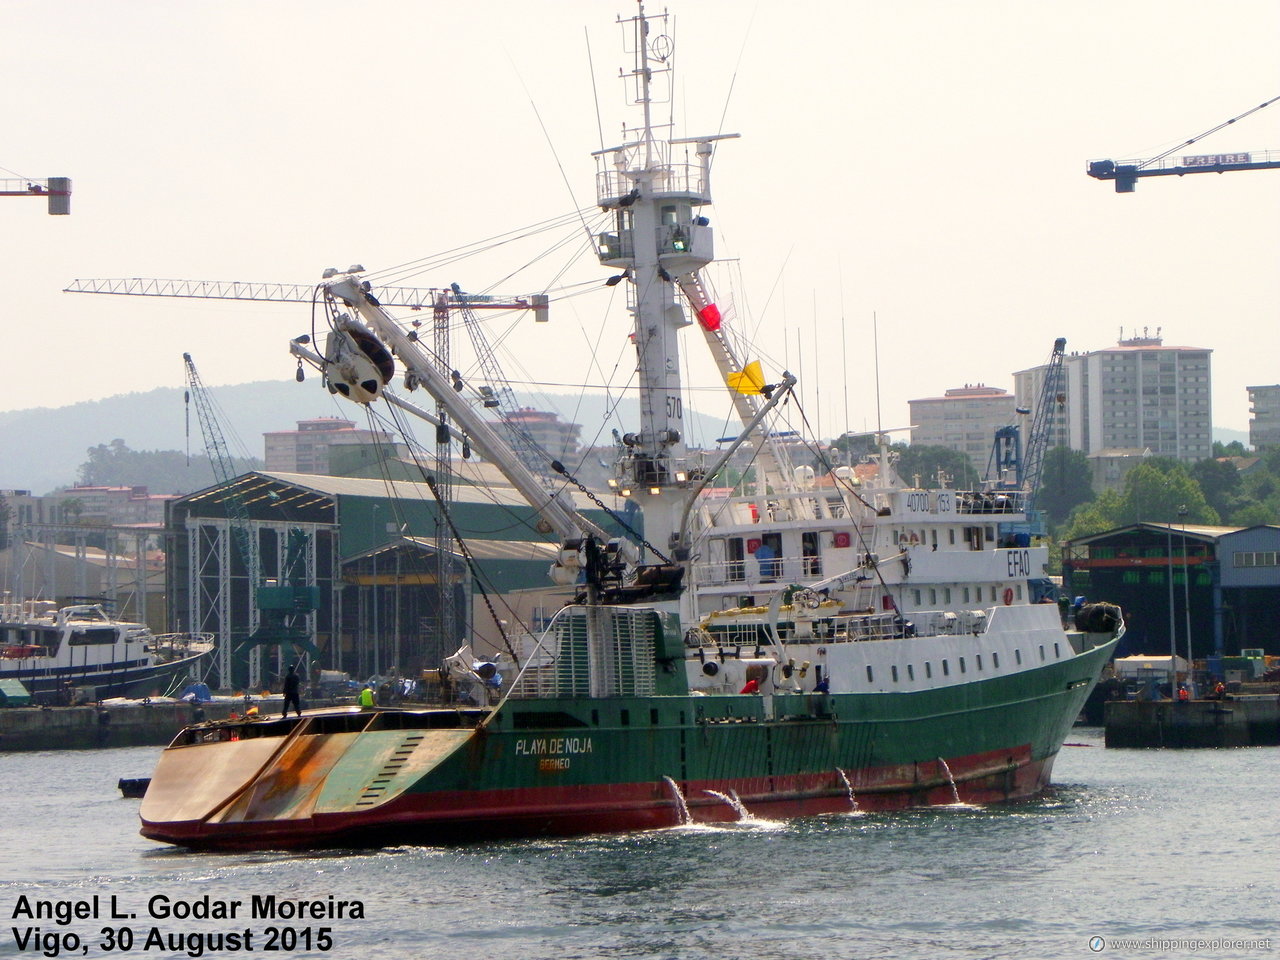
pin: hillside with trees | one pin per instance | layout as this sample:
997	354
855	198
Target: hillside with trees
1162	490
161	471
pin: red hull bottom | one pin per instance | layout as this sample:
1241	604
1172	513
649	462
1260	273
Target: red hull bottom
463	817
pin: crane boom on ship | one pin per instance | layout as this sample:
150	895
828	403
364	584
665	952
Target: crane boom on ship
350	371
356	368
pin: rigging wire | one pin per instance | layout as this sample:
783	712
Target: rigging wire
564	176
1221	126
483	581
733	78
595	92
824	461
397	273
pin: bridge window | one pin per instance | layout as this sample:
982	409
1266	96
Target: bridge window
93	636
893	670
870	676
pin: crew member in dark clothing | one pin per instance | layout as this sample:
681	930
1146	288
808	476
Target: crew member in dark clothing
292	686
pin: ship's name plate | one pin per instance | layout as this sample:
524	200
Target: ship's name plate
552	746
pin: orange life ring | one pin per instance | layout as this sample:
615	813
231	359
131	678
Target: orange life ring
1008	596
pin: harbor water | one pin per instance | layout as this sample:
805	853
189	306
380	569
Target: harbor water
1170	851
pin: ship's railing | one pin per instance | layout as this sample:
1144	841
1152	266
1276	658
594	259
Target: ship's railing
639	474
752	631
895	626
935	622
993	503
25	611
746	511
752	571
681	179
172	646
672	241
605	651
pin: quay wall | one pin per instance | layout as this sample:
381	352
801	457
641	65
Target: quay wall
92	727
1250	721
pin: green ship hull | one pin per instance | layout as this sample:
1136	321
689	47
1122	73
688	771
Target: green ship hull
567	766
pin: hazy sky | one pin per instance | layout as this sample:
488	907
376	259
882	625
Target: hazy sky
917	160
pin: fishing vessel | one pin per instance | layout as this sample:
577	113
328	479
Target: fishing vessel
81	648
809	644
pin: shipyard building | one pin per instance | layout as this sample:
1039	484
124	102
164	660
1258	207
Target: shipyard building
1219	586
366	575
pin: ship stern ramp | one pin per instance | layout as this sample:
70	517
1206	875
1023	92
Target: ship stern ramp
285	787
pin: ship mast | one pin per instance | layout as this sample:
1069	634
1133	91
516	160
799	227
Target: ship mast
654	188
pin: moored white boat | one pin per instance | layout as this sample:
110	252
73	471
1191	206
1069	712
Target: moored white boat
82	650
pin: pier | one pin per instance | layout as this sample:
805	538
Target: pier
93	727
1244	721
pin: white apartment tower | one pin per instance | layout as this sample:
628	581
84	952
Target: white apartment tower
1139	395
1264	425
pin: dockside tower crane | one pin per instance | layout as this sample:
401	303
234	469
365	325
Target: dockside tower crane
1012	465
281	611
1125	173
56	189
1052	398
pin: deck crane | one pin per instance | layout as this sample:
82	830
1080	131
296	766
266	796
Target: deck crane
281	609
56	189
1125	173
356	365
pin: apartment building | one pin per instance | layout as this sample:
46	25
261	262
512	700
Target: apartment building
1140	395
306	449
964	419
1264	424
